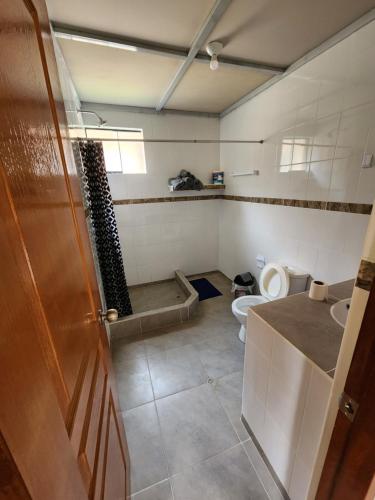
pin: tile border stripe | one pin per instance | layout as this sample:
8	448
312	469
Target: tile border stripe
366	275
332	206
167	199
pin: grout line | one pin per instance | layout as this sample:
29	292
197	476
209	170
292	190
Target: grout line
303	415
221	404
162	438
147	356
149	487
178	392
256	471
200	462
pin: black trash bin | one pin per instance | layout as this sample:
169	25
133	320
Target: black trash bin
244	284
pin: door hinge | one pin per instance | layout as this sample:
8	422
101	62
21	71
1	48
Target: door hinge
348	406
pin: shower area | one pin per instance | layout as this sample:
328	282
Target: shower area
152	234
141	307
143	237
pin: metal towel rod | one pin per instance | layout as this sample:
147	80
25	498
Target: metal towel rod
184	141
250	172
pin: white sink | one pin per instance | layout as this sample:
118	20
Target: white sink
340	310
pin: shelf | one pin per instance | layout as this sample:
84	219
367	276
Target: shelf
214	186
206	186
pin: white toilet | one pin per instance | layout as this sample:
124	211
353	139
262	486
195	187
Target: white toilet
276	281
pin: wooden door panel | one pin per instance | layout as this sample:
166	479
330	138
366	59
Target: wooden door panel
79	418
114	476
31	421
64	139
41	200
93	431
12	485
98	482
59	420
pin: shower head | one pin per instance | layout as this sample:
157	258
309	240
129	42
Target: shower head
101	120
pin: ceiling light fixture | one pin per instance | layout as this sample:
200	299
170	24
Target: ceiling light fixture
96	41
213	49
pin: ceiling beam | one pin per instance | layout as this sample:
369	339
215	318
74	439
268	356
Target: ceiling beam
77	33
103	109
69	32
214	16
242	63
327	44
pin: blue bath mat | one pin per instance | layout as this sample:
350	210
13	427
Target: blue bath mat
205	289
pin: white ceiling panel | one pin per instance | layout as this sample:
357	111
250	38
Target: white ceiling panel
281	31
212	91
273	32
113	76
173	22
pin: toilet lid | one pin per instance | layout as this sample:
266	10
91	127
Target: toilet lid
274	281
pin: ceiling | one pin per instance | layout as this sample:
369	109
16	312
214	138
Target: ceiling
113	76
271	32
205	90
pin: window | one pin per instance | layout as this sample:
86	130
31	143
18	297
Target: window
121	157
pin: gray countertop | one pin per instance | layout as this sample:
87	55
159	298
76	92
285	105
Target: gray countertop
308	324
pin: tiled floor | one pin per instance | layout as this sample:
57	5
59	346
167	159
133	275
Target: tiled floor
180	392
156	295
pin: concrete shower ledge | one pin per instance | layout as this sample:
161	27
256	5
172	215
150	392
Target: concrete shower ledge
145	322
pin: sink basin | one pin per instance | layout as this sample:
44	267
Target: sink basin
340	310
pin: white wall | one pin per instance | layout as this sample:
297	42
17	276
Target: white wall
328	105
317	123
69	93
326	244
159	238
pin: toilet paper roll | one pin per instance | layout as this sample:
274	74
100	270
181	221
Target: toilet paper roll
318	290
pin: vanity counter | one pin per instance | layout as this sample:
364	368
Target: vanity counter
308	325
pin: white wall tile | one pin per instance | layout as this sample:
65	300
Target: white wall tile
279	451
318	393
259	334
289	365
300	480
344	179
258	369
315	410
325	244
325	138
285	399
157	239
317	123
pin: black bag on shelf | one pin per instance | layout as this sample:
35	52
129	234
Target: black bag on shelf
185	181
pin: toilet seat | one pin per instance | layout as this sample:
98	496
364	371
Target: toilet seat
274	281
241	305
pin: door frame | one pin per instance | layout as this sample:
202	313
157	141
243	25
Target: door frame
349	467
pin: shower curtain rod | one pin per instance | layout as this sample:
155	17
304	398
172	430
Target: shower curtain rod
184	141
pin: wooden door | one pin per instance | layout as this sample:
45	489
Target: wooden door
349	468
59	421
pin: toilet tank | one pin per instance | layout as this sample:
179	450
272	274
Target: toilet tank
297	280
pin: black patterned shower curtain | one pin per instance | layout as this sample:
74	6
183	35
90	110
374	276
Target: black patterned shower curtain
102	215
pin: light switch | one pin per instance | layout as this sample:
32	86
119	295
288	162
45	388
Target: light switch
367	160
261	261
